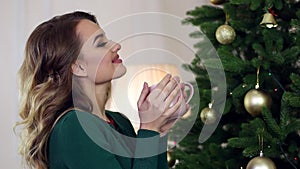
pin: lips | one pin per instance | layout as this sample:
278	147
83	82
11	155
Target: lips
117	59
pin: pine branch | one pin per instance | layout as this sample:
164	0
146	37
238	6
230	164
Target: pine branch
295	82
272	124
255	4
292	99
251	128
291	54
240	90
251	151
239	2
259	49
241	142
204	14
293	126
232	63
284	117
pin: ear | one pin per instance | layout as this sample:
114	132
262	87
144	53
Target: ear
79	69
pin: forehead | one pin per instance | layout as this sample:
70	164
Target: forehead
86	29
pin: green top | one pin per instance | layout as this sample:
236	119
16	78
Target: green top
81	140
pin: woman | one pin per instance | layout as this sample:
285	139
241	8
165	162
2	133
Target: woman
65	81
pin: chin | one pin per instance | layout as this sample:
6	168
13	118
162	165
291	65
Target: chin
119	72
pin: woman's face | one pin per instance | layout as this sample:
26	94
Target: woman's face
100	57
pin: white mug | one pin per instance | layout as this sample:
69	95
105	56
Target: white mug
182	109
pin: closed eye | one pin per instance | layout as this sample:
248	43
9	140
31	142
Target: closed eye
101	44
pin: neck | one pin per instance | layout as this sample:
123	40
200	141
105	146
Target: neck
102	93
98	94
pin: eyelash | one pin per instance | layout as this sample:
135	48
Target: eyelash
101	44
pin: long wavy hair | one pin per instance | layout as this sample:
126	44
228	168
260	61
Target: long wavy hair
46	83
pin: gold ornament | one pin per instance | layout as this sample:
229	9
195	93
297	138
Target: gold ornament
268	21
292	1
225	34
170	159
255	100
261	162
208	115
217	2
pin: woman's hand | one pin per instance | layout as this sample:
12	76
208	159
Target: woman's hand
154	107
165	128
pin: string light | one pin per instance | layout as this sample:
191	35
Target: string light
277	81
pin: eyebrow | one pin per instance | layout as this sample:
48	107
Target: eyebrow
97	37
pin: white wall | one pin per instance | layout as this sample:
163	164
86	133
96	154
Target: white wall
19	17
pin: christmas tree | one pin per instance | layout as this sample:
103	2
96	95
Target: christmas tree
258	43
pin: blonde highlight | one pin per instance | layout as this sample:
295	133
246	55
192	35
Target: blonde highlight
45	82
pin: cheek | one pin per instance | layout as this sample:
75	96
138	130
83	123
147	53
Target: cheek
96	57
104	71
94	61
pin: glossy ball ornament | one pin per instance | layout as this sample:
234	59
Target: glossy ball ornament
217	2
170	158
261	163
225	34
292	1
208	115
255	100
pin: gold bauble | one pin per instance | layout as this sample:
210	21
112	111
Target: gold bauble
292	1
208	115
255	100
261	162
225	34
170	158
217	2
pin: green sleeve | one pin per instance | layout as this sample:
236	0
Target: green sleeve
149	142
162	158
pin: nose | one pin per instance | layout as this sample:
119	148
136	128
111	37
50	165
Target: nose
115	46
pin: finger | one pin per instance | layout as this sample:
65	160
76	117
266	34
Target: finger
169	100
177	79
182	86
187	108
167	90
165	80
161	85
144	94
184	92
171	111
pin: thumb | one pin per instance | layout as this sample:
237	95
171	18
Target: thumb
143	95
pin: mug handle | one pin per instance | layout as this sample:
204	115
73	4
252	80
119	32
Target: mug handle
191	90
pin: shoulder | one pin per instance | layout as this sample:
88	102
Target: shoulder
77	129
80	140
80	125
73	118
